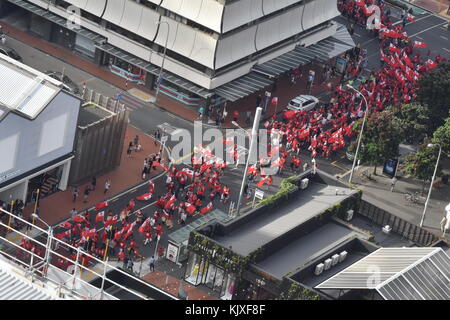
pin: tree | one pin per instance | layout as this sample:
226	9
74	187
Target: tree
434	93
413	120
442	136
380	139
421	164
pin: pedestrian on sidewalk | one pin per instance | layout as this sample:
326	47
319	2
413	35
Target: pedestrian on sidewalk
151	263
75	194
136	141
93	183
393	182
73	213
129	149
443	223
258	100
107	185
201	110
86	193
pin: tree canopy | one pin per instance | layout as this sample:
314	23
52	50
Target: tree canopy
381	138
413	120
434	92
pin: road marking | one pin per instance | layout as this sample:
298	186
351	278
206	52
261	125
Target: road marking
334	163
419	38
438	25
357	35
444	37
446	49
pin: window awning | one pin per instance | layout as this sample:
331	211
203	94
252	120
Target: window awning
144	65
243	86
398	274
57	19
322	51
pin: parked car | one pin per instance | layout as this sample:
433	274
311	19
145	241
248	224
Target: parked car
303	102
68	84
10	53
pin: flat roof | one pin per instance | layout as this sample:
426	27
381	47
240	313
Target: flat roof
24	89
90	113
311	201
305	249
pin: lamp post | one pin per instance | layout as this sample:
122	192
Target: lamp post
360	133
252	143
430	145
164	58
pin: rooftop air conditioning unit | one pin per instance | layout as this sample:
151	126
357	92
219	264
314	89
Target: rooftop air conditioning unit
342	256
334	259
304	183
327	264
349	215
387	229
319	269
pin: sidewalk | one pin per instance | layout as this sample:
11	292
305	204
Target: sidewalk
56	207
437	6
284	91
378	192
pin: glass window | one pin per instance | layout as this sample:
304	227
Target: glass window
228	287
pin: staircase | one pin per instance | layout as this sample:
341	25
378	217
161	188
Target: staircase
48	186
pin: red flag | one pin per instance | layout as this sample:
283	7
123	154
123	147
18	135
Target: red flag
207	209
410	18
190	208
158	164
289	114
419	44
274	101
145	196
111	221
266	124
100	216
407	60
66	225
170	202
431	64
392	34
92	233
118	235
360	3
151	186
266	179
394	49
101	205
228	141
79	219
252	169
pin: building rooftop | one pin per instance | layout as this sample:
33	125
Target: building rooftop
23	89
90	113
310	202
398	274
306	249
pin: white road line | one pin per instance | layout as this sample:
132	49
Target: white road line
358	35
437	25
444	37
446	49
419	37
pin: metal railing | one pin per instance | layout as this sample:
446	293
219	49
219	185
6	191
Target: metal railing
39	266
404	228
111	104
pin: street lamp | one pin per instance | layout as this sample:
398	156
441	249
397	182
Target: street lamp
360	133
164	58
253	137
431	145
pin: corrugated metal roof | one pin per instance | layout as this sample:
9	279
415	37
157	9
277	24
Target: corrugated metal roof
322	51
24	89
14	288
243	86
398	274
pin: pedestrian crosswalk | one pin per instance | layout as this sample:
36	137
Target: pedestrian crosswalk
130	102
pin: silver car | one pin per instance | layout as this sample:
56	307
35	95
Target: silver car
303	102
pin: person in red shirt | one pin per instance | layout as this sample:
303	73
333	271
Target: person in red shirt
148	237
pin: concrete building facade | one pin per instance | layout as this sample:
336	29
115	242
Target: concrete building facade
210	43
